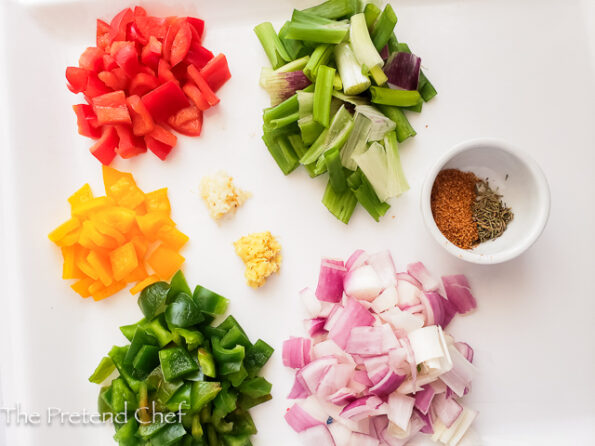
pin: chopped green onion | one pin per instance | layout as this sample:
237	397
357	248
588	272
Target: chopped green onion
334	137
366	196
295	65
294	48
320	56
397	181
282	153
354	81
323	90
340	205
337	82
309	18
353	100
337	178
384	27
272	45
309	129
332	33
285	108
371	11
334	9
357	141
403	127
425	87
380	123
363	48
389	96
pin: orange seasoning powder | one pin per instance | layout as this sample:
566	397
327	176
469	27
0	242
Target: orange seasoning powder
453	195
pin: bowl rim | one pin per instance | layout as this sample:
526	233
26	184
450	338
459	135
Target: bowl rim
507	254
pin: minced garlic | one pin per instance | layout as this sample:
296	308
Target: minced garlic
221	196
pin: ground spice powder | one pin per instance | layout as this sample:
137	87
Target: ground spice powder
453	195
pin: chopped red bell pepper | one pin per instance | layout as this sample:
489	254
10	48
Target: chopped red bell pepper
126	57
198	26
172	31
202	85
181	44
165	100
119	24
151	53
86	120
102	37
133	34
142	83
105	147
77	79
111	108
129	145
142	122
95	87
109	63
187	121
139	11
160	141
196	96
115	79
92	59
216	72
164	72
198	55
151	26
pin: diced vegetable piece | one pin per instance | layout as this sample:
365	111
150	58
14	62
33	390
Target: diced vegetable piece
110	108
384	27
165	261
272	45
322	95
165	100
340	205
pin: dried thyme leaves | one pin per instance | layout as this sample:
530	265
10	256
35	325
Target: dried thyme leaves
489	212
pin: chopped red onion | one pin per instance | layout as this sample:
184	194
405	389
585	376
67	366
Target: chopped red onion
357	259
298	391
363	283
330	280
317	326
358	439
465	349
424	398
400	408
353	315
318	435
370	328
362	408
384	265
419	271
299	419
447	409
388	384
296	352
458	292
402	70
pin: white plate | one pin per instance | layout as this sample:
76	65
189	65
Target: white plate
520	71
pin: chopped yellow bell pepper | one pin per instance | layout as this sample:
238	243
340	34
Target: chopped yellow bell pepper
101	266
165	261
123	261
126	193
108	291
109	240
61	231
172	237
82	286
157	201
144	283
149	224
82	195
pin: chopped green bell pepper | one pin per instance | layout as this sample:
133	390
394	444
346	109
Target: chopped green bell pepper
178	284
203	392
255	387
207	363
176	362
210	302
105	368
224	355
152	299
183	312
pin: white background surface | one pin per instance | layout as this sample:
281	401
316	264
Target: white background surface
523	71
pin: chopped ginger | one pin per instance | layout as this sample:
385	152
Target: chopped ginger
221	196
261	253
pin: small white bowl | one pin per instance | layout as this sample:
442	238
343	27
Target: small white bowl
520	181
